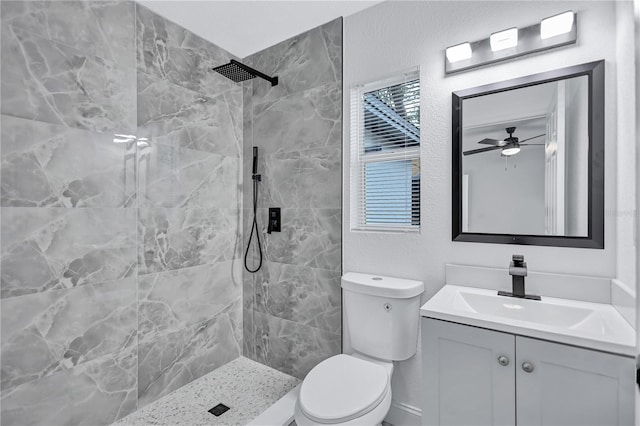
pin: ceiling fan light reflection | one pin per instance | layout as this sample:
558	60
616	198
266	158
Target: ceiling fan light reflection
508	152
504	39
556	25
459	52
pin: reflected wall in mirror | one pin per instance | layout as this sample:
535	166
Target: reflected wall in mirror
528	160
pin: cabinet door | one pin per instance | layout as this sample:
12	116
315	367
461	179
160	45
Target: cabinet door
463	380
572	386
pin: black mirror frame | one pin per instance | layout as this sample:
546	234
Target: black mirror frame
595	236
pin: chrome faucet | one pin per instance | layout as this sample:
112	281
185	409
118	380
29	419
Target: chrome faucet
518	270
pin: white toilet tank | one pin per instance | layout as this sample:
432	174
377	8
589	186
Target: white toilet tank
382	314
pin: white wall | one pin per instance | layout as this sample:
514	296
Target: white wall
397	35
506	195
636	33
625	210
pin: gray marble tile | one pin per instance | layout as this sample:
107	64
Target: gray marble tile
177	177
253	255
311	59
48	165
247	145
290	347
293	319
168	361
100	28
170	52
181	238
247	288
236	321
300	121
309	237
303	179
93	393
304	295
52	82
45	333
173	300
56	248
248	341
248	296
247	100
179	117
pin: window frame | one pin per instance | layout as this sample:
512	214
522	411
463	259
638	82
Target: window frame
359	158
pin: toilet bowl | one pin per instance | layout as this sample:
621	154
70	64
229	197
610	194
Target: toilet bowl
381	314
345	390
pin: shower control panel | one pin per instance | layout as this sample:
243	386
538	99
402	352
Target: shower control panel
274	220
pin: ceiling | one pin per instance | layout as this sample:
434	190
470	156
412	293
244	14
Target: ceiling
243	27
524	108
510	105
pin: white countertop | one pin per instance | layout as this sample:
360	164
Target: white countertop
591	325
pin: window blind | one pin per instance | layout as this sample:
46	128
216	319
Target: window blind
385	154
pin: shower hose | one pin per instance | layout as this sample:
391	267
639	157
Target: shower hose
254	228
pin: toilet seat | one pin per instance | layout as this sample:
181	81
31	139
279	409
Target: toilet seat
342	388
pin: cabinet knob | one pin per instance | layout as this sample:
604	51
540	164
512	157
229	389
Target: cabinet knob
503	360
527	367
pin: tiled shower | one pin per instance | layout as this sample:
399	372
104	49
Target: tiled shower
123	208
292	317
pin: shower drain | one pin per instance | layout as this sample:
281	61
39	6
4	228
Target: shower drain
219	409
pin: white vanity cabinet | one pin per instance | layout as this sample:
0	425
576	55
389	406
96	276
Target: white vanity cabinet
475	376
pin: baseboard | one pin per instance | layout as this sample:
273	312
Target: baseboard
403	415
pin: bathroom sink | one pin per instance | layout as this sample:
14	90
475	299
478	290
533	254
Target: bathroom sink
539	312
593	325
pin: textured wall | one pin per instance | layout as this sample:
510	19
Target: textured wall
627	166
292	317
416	33
636	37
120	279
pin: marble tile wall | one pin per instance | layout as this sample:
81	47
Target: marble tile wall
292	306
121	173
189	195
120	220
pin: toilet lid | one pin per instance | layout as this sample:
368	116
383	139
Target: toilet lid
342	388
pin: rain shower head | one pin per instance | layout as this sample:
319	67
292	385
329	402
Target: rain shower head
238	72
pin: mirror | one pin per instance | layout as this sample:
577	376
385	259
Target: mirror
528	160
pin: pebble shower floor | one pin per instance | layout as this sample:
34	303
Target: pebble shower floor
245	386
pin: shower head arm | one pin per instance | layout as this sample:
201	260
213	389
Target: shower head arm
272	80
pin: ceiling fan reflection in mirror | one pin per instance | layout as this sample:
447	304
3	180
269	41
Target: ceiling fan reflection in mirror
509	146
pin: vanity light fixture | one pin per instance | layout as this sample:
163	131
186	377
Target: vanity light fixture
504	39
459	52
554	31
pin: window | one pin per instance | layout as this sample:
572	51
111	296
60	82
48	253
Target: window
385	154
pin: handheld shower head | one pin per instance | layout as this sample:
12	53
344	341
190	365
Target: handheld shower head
255	160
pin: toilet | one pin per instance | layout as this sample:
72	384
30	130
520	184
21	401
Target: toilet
382	316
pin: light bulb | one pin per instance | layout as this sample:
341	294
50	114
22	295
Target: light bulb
458	52
556	25
513	150
504	39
